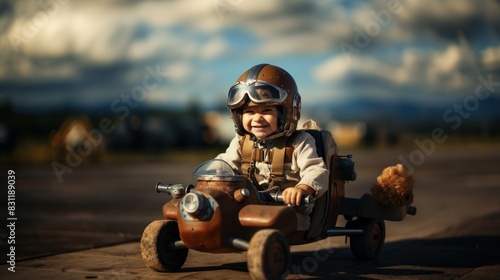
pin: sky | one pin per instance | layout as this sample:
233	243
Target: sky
81	54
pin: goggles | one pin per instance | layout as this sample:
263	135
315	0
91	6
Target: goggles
258	92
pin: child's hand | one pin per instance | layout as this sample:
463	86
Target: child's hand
292	196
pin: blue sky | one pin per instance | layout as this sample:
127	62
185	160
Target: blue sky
57	53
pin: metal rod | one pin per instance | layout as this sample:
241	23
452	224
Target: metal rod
179	244
175	190
337	231
278	197
239	243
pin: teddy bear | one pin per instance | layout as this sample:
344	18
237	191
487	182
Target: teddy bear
394	186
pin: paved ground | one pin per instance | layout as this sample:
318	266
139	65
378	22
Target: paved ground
88	225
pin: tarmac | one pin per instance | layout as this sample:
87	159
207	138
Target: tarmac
89	225
467	251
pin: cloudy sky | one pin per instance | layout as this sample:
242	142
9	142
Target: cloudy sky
60	53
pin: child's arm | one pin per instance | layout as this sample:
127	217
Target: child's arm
293	196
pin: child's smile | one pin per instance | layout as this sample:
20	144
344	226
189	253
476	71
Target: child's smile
260	121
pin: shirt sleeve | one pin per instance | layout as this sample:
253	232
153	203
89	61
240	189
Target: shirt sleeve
313	171
232	155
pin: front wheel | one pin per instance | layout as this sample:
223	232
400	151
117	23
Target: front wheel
269	255
156	246
367	246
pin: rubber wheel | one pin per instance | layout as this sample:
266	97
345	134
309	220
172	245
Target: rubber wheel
155	249
269	255
367	246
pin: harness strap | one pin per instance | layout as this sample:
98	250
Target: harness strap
277	166
280	158
246	154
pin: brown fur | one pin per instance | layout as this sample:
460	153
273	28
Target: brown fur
394	187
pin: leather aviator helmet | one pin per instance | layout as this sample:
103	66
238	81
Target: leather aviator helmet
267	85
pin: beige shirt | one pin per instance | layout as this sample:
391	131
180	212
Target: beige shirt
306	166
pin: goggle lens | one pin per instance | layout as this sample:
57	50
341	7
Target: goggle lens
257	92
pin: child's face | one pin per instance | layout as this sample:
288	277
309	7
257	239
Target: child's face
260	120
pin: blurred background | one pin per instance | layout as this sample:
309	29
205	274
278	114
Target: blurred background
149	76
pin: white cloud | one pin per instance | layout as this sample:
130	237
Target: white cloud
89	33
443	11
431	71
213	49
103	32
446	70
333	69
179	71
448	18
161	97
338	68
298	43
491	58
143	49
100	32
189	39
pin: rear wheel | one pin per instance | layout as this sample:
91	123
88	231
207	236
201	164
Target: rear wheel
157	246
367	246
269	255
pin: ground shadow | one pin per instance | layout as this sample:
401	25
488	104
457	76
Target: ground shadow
412	257
406	258
235	266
